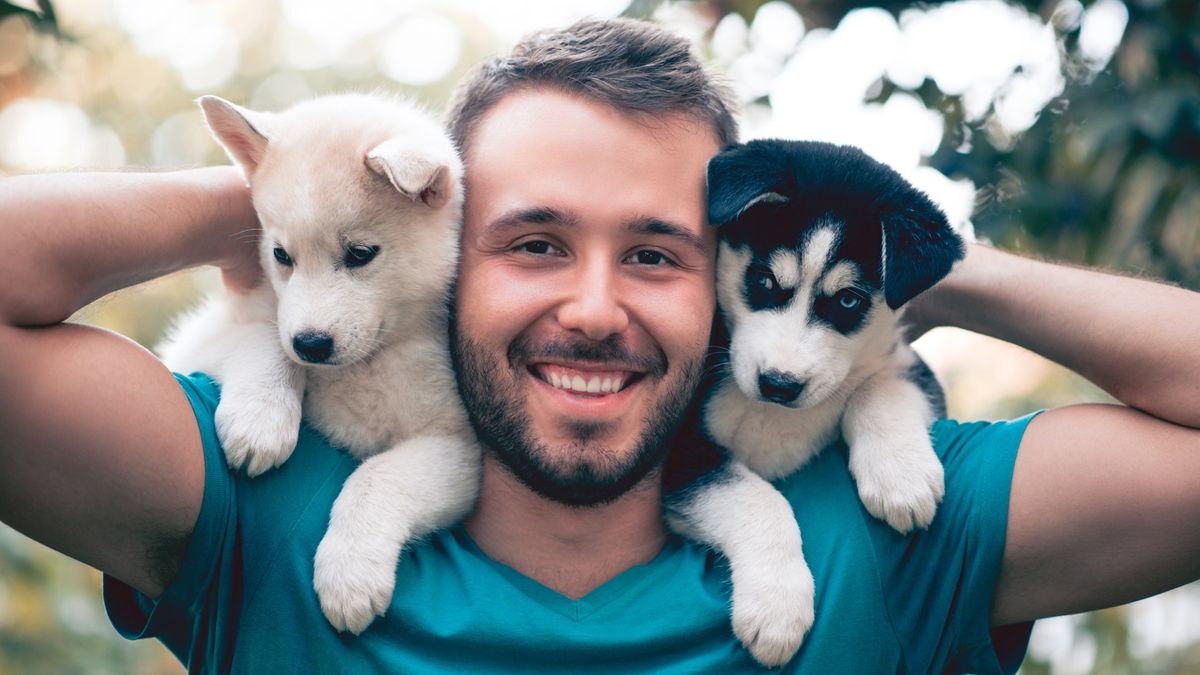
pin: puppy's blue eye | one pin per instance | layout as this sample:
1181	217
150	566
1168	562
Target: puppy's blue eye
359	255
282	257
848	300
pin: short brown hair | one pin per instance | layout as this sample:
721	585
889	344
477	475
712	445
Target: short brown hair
632	66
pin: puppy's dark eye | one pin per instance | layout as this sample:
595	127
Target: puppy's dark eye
762	277
359	255
763	290
282	257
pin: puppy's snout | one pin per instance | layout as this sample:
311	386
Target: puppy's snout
779	388
313	346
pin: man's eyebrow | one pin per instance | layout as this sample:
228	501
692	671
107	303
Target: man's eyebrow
531	215
651	225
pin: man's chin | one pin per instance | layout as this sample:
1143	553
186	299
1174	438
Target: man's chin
575	469
588	476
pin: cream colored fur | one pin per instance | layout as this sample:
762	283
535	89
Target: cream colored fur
325	175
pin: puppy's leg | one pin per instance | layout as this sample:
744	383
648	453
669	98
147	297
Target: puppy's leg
753	526
416	487
886	425
233	339
258	418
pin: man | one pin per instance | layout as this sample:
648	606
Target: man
584	249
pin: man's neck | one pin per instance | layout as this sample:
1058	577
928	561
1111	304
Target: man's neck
571	550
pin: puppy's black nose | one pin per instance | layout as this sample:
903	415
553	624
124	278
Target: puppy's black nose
780	388
313	347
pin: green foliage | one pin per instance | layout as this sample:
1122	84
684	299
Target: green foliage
1110	174
40	12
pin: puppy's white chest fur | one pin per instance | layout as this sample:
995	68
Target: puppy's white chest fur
405	390
774	440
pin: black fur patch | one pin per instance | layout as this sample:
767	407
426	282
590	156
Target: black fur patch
827	184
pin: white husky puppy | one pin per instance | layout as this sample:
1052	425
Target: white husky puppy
360	201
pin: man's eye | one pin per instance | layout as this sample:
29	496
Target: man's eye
538	247
282	257
359	255
649	257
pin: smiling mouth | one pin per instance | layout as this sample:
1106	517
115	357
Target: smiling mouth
584	381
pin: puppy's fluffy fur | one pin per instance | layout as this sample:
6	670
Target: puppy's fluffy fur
360	201
820	248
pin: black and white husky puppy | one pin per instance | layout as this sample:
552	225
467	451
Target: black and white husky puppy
820	248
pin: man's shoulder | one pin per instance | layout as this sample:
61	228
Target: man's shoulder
925	582
268	506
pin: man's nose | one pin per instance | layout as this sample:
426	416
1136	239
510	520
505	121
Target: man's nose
594	305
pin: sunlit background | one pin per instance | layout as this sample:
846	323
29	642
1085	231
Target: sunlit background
1061	128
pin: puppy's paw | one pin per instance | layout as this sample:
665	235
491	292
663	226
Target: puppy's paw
903	486
257	433
353	584
773	609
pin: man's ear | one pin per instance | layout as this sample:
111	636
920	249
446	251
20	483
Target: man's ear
919	248
243	133
742	176
417	172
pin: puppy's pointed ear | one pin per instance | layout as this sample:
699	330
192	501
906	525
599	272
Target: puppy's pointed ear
919	248
742	176
417	172
243	133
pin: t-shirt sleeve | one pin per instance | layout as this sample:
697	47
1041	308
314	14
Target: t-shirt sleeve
185	617
940	582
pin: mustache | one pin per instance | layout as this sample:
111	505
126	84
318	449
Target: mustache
611	350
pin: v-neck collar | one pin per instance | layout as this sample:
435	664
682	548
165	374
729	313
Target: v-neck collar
622	585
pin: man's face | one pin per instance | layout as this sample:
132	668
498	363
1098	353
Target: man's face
585	293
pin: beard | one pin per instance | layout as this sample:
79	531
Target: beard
583	473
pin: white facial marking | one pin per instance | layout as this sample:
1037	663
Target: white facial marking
786	268
816	253
731	269
838	277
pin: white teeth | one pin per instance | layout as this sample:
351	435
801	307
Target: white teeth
596	385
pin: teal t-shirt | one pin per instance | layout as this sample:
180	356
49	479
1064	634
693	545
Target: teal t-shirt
885	603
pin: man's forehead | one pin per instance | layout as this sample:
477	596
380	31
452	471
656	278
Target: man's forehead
539	144
523	114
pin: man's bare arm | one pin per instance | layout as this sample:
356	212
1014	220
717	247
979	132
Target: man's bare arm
1105	499
99	452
